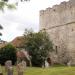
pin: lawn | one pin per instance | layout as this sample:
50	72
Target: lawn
48	71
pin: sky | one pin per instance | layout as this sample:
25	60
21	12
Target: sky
26	16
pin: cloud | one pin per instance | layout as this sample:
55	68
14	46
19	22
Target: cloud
25	16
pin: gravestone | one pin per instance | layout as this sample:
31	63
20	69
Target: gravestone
8	67
69	64
21	67
46	64
24	64
1	70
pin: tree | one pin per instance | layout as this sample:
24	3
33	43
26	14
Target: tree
38	46
4	3
1	28
20	0
7	53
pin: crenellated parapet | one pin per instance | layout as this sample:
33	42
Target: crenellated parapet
59	22
59	8
58	14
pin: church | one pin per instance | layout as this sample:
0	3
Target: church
59	23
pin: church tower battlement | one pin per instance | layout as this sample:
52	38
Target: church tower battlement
59	22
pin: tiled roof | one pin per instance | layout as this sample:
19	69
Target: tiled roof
18	42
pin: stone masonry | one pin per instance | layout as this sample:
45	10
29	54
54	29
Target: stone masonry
59	22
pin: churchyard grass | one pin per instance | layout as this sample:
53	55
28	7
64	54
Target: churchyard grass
46	71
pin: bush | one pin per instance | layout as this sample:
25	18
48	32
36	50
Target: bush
7	53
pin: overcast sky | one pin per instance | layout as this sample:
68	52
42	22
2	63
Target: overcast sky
25	16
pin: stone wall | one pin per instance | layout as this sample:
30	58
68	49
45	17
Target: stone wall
59	22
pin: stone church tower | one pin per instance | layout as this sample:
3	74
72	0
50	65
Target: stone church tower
59	22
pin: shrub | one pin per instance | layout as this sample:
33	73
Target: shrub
7	53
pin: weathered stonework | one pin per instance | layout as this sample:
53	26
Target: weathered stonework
59	22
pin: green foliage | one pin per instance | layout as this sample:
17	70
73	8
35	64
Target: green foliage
20	0
11	6
38	45
0	29
0	34
7	53
4	3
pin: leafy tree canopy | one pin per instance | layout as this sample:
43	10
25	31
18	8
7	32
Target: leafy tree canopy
7	53
4	3
38	46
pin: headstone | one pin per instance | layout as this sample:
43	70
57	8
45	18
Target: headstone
1	73
21	67
69	64
8	67
1	70
24	64
46	64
